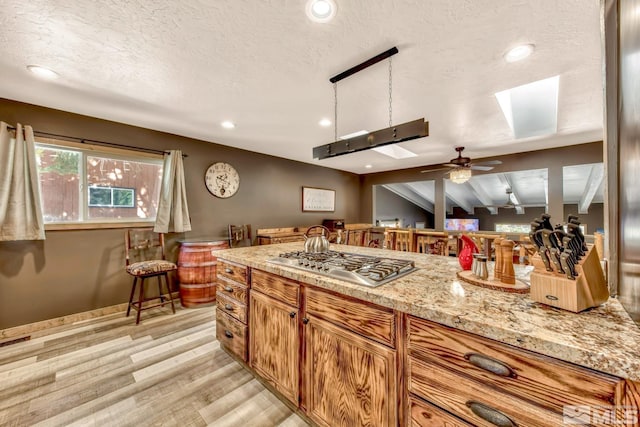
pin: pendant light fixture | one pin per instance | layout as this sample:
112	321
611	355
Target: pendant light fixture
393	134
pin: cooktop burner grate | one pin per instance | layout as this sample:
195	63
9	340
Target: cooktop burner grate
361	269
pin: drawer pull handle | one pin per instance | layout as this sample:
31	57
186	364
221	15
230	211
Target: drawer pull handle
490	414
228	289
305	320
490	364
228	334
228	270
292	314
228	307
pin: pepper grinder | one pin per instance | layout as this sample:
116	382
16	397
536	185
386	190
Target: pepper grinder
497	267
508	273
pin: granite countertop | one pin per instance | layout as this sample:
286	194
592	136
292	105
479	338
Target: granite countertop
604	338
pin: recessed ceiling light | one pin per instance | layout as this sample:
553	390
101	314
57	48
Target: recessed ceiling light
43	73
321	10
325	123
519	52
368	166
227	124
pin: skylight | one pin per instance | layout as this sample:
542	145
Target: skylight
395	151
531	109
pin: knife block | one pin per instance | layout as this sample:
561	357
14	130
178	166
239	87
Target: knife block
589	289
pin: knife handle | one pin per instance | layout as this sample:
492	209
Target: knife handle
544	254
555	257
567	265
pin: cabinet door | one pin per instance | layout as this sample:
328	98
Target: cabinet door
349	380
275	343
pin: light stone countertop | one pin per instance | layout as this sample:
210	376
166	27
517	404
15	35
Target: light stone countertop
604	338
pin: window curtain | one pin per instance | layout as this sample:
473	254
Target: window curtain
20	206
173	212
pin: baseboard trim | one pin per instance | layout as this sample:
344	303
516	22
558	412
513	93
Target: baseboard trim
31	328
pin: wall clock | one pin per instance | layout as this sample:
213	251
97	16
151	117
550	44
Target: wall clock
222	180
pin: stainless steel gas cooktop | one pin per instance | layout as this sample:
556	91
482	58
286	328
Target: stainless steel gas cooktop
360	269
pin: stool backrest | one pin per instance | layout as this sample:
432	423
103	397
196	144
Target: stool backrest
239	235
143	244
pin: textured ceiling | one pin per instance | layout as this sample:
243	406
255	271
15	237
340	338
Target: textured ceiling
184	67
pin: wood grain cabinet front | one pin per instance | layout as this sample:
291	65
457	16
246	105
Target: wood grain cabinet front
274	343
423	414
349	380
232	334
233	271
231	302
479	379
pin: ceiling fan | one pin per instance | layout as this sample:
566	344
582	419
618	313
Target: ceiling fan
509	203
462	167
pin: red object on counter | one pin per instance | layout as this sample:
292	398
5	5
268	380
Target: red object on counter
465	257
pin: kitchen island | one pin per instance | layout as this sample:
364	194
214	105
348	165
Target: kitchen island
433	305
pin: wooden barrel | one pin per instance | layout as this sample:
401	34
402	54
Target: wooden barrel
197	272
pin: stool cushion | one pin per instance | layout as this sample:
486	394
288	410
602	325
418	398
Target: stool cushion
144	268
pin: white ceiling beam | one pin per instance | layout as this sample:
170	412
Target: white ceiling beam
513	196
591	187
482	195
407	193
460	202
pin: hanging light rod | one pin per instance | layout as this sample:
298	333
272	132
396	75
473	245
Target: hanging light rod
391	135
399	133
369	62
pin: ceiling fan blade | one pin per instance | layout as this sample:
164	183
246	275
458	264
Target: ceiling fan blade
481	168
432	170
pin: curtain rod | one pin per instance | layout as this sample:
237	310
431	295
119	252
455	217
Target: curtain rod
96	142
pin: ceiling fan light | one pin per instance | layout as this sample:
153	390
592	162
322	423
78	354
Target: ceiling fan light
460	175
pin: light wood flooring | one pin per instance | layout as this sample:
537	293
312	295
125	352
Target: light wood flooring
167	371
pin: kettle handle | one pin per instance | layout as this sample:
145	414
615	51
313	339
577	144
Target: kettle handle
324	229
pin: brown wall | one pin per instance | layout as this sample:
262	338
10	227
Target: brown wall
74	271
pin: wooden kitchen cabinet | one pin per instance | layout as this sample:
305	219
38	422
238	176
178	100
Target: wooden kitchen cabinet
274	343
478	379
231	302
350	368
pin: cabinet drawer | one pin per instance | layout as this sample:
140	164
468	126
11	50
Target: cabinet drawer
232	307
232	289
541	379
280	288
372	322
474	402
422	414
233	271
232	334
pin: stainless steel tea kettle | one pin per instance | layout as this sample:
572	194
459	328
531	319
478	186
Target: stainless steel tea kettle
319	243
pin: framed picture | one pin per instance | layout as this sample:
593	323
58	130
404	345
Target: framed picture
318	200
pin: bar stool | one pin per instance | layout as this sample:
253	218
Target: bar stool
144	244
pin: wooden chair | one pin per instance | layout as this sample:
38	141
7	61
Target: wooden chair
239	235
146	248
431	243
399	239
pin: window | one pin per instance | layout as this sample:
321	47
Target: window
111	197
513	228
84	184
